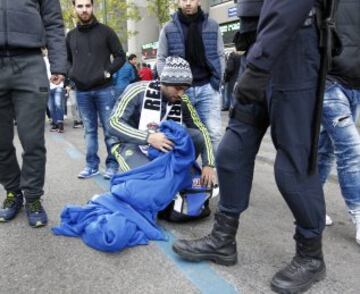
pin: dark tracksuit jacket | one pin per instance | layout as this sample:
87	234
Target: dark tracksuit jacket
125	118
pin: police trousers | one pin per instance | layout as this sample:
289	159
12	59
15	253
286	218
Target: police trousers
289	110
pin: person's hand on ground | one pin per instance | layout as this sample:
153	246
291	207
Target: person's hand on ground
207	176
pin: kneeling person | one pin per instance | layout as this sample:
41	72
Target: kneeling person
144	105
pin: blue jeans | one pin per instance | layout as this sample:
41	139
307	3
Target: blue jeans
340	140
56	104
207	103
228	100
91	105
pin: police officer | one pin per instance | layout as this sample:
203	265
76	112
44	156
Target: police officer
278	87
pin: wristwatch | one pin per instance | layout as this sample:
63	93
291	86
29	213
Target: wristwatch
107	75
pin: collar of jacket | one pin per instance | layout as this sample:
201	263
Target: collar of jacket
175	17
87	27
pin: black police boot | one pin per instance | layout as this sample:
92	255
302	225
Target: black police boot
306	268
219	246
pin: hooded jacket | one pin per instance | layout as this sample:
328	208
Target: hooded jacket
89	50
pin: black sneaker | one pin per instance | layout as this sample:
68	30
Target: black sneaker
54	127
11	207
36	214
60	127
77	124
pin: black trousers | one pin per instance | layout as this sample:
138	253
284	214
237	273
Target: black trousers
290	111
24	90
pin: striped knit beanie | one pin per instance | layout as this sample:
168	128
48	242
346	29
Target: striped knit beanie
176	72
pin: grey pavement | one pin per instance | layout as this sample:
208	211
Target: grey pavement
35	261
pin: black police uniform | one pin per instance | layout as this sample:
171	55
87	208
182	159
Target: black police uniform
287	47
283	61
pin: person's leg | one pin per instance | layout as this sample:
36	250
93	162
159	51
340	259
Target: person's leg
225	97
74	108
50	110
59	107
339	115
197	140
29	97
207	103
105	102
235	161
326	156
88	110
292	109
129	156
9	167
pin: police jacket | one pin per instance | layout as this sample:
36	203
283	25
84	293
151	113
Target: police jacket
278	22
33	24
346	67
125	119
172	43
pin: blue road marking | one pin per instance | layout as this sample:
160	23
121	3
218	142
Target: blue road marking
200	274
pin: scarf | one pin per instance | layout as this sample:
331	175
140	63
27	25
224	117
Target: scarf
194	46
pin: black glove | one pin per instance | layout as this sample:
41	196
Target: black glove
252	85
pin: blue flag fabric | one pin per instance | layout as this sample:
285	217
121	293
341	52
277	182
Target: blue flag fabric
126	216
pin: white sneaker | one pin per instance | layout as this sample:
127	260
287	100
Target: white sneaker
355	216
328	221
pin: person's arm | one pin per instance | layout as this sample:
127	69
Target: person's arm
69	54
192	120
116	51
50	11
122	112
221	53
279	21
162	52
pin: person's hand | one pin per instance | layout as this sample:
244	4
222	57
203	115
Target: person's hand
252	85
160	142
57	79
207	176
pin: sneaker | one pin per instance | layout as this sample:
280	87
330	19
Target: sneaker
77	124
109	173
54	127
88	172
11	207
60	127
36	214
355	217
328	221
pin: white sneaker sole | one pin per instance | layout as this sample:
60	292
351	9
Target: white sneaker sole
86	177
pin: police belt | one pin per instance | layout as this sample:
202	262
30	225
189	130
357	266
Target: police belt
258	121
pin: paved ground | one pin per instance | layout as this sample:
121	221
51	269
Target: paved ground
35	261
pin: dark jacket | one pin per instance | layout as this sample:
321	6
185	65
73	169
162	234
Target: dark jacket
172	43
89	50
346	67
278	22
232	68
32	24
125	119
